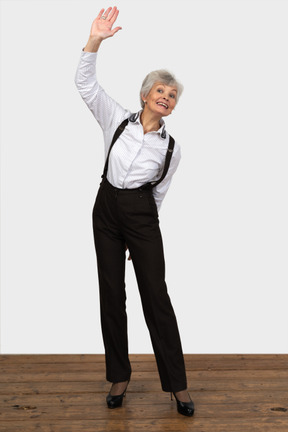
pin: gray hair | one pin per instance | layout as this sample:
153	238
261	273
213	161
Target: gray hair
162	76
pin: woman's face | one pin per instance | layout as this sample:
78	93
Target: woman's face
161	99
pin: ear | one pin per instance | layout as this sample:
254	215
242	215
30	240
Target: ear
143	98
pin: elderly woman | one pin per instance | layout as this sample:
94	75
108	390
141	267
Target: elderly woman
141	159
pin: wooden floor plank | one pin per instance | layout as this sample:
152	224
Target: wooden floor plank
138	386
50	373
159	425
133	410
192	361
275	398
148	366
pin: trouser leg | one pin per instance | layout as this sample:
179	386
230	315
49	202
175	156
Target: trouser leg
110	252
147	255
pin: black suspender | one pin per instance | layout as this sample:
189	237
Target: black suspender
167	160
168	157
117	133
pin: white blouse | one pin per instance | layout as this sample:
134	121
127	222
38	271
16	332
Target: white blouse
136	158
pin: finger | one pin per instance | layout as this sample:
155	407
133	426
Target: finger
100	14
116	30
106	13
114	16
112	13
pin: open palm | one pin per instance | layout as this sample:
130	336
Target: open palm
103	23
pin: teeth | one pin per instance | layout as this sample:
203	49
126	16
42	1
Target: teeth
160	103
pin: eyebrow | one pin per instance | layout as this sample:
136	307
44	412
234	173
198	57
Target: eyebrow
166	85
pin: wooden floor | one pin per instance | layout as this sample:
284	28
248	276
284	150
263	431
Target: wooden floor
66	393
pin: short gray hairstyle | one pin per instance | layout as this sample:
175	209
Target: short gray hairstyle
162	76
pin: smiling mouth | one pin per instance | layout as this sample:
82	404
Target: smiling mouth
162	104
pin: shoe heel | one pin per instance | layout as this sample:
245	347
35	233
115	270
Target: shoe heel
184	408
116	401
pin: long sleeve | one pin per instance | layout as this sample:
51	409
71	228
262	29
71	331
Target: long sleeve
105	109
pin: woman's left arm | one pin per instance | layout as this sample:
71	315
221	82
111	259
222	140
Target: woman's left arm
161	189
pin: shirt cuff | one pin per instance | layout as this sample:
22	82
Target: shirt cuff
89	57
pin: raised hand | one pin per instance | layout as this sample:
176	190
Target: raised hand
102	25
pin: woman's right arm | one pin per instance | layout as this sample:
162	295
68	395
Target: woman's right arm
106	111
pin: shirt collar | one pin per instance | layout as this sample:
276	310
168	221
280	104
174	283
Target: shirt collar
135	118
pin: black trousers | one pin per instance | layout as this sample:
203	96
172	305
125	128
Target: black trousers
129	216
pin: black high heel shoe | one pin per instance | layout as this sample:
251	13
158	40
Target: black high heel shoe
184	408
116	401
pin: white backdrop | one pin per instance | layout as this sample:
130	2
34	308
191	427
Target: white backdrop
224	219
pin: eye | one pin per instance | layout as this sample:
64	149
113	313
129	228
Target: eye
160	90
172	95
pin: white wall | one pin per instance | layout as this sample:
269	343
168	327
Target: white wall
224	220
